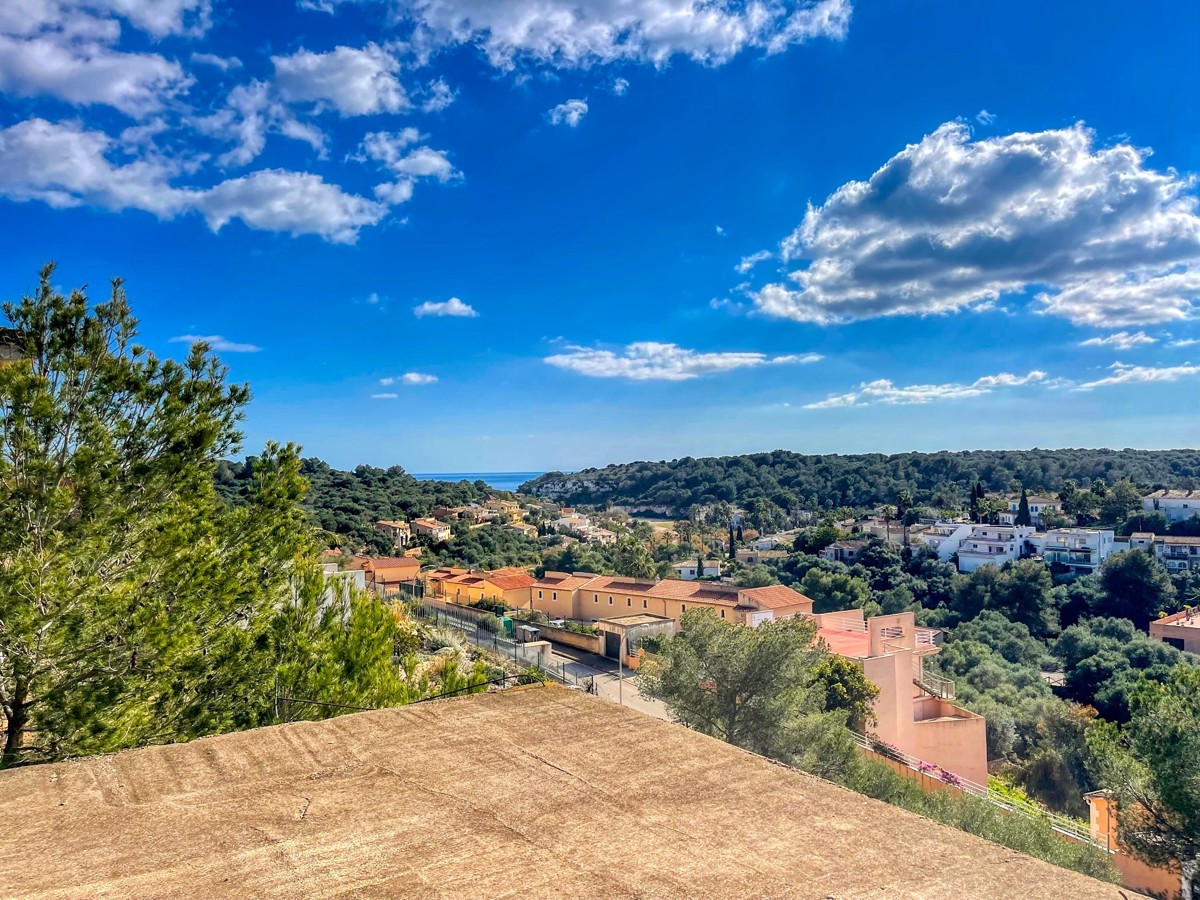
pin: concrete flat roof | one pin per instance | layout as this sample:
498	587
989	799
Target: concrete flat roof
536	792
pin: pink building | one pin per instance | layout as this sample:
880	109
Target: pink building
915	709
1181	631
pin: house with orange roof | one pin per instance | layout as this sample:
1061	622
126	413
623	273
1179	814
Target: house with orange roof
399	532
509	586
431	529
385	574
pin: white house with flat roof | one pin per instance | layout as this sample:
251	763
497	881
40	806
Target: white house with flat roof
1038	506
1177	506
941	537
994	544
1081	550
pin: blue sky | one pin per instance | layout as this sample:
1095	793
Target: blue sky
485	235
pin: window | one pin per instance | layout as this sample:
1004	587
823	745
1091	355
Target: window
628	601
722	614
610	603
595	598
645	604
539	595
683	607
555	596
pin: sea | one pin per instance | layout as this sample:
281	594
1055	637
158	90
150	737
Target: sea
500	481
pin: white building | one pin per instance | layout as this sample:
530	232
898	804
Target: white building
1081	550
1037	507
1177	506
687	569
994	544
1176	553
941	537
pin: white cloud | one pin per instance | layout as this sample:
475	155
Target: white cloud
620	86
158	18
436	95
293	202
802	359
394	151
983	117
1185	342
950	223
888	393
569	113
386	396
88	71
720	231
749	262
1126	374
417	378
654	361
581	33
452	307
216	342
251	112
64	165
1122	340
354	82
224	63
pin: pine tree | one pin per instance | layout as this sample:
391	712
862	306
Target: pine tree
1023	516
136	605
732	542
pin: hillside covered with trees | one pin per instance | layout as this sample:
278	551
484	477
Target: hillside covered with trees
782	481
346	505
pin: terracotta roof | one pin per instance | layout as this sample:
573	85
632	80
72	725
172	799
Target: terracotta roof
394	562
696	591
1143	535
614	584
511	582
323	809
561	581
1180	540
777	596
1173	495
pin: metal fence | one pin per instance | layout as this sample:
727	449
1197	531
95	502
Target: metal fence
482	629
1064	825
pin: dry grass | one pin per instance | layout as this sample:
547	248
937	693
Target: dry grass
530	793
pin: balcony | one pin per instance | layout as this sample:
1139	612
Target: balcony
1069	559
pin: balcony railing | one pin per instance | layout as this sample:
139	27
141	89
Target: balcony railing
930	682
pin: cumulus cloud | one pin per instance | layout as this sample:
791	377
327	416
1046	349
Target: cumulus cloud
158	18
581	33
251	112
452	307
1122	340
983	117
293	202
64	165
950	223
353	82
216	342
620	86
415	378
87	71
570	113
886	392
749	262
395	152
653	361
1126	374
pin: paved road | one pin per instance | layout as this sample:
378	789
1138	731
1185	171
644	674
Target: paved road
609	681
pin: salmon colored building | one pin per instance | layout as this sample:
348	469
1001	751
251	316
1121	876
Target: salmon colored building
1181	631
386	574
915	710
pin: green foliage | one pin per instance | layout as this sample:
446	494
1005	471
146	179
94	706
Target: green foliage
742	685
632	559
1105	658
774	486
1022	590
489	547
1152	767
135	605
831	591
1023	517
755	576
347	505
1136	586
847	689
